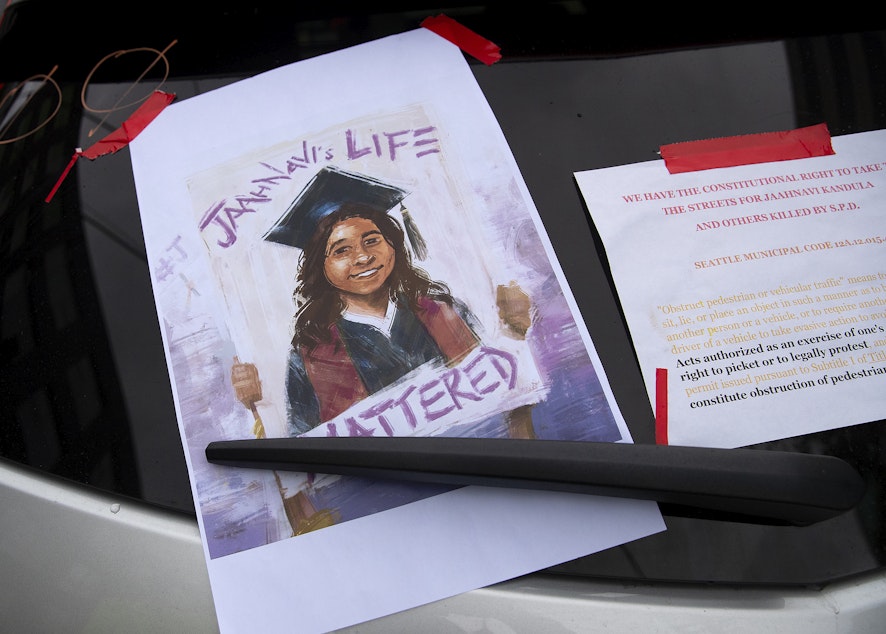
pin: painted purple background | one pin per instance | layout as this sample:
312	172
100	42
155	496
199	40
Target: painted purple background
242	509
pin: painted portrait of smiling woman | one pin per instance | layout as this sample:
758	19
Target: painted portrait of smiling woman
367	316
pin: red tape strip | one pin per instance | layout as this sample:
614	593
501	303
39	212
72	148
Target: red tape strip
692	156
121	137
61	178
132	127
464	38
661	406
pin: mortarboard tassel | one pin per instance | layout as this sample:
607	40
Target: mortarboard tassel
419	248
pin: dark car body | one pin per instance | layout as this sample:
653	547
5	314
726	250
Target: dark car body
98	524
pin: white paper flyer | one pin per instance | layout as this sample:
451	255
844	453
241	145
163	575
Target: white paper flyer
345	246
760	289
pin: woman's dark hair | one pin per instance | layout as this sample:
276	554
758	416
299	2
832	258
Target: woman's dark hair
319	303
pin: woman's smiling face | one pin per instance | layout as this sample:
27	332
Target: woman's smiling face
358	258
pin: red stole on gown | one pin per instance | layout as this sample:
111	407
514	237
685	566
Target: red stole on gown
334	377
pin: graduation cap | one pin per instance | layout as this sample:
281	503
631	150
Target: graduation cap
325	193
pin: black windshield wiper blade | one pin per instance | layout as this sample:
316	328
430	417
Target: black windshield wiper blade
770	487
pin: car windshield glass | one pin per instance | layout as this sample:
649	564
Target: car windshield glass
85	386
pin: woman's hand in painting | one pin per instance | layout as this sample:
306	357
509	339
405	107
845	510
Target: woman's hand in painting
514	309
515	312
247	386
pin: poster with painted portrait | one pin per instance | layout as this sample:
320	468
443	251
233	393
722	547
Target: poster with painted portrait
371	267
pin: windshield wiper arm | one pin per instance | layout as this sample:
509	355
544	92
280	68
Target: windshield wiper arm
771	487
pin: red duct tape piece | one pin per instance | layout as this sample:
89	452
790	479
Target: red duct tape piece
801	143
661	406
132	127
122	136
464	38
